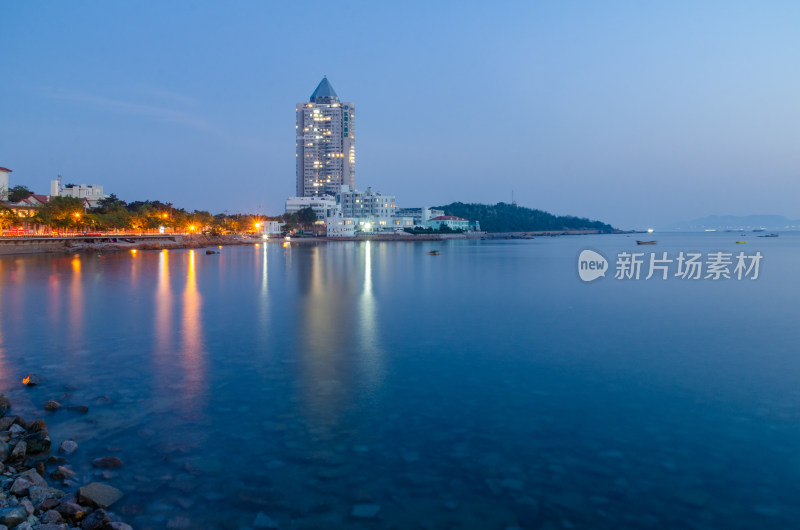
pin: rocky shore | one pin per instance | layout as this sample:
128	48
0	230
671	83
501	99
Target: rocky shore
28	501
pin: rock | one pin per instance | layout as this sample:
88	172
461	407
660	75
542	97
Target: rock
49	504
67	447
62	473
19	452
20	486
38	442
99	495
52	405
83	409
3	451
365	511
120	526
35	478
50	516
262	520
32	379
37	495
28	505
107	462
36	426
16	429
13	516
97	520
5	404
71	511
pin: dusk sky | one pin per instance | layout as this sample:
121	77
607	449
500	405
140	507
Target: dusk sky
634	113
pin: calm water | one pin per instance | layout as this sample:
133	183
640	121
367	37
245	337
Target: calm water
486	387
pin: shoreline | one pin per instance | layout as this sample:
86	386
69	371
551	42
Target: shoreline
20	246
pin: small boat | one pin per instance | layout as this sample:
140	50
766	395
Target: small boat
645	242
434	253
768	235
741	242
212	252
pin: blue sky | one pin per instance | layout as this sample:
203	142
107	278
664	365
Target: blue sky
635	113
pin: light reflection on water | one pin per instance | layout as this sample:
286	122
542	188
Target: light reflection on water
485	384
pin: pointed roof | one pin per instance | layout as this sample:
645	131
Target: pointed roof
324	93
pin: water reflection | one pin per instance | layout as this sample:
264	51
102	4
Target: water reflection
75	308
371	355
192	351
163	317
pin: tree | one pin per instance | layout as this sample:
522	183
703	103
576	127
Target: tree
306	216
7	217
61	212
18	193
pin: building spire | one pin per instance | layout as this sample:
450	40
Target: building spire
324	93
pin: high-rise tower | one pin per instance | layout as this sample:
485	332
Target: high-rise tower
326	155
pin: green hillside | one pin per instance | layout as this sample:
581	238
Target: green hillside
502	217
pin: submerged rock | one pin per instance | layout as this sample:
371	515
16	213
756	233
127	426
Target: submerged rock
83	409
99	495
107	462
62	473
97	520
52	405
68	447
5	404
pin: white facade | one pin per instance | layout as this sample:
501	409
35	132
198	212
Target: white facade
338	226
325	143
4	183
419	216
271	228
367	204
324	206
92	193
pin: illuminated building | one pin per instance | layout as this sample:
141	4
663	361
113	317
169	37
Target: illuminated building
325	143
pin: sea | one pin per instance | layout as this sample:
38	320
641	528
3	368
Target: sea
372	384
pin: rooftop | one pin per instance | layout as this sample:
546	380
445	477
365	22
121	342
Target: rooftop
324	93
447	218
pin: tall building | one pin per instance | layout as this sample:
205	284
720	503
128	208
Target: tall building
326	153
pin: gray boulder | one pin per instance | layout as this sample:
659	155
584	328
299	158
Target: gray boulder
99	495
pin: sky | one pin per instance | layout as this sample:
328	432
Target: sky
635	113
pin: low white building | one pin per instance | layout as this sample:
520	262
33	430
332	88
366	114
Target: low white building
338	226
271	228
93	193
419	216
323	206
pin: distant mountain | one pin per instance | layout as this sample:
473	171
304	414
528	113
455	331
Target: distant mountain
502	217
733	222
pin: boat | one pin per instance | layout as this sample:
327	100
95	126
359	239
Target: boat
212	251
645	242
434	253
741	242
769	235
